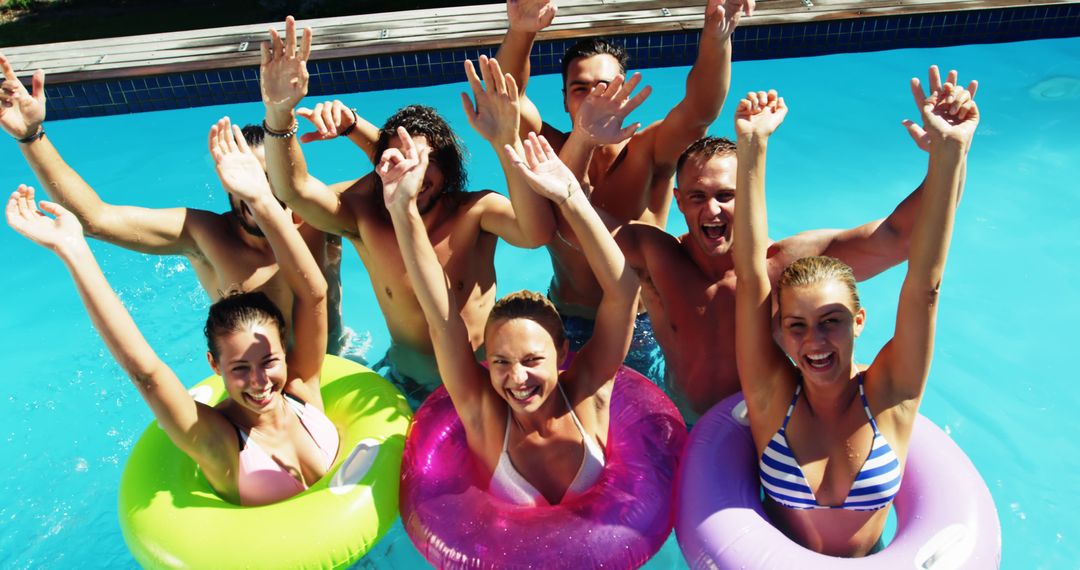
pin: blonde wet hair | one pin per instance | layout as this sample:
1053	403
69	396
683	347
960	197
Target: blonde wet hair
819	269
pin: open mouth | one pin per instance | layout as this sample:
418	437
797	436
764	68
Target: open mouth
525	394
714	231
820	360
260	399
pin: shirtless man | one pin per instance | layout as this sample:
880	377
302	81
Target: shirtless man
631	177
688	282
463	226
227	251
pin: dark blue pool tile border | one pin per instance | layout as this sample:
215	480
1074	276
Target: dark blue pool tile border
382	72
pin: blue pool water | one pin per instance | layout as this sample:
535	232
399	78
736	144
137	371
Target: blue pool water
69	417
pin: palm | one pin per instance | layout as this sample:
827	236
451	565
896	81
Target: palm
242	175
285	82
402	173
530	15
21	113
552	179
24	217
601	120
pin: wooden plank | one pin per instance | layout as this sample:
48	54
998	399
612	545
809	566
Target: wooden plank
422	30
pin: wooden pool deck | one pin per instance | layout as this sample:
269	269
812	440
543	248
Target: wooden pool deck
434	29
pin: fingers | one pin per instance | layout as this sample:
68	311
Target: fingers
277	47
917	134
496	75
50	207
511	86
290	37
935	79
305	45
9	73
513	156
917	92
485	72
318	120
264	54
336	111
37	86
972	87
549	153
474	80
638	99
239	140
407	143
532	150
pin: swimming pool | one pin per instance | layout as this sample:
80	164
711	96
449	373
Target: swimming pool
70	417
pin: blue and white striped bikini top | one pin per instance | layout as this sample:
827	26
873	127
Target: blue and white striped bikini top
874	488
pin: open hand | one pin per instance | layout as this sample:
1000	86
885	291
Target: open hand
54	233
921	138
21	113
402	171
545	173
530	15
239	169
497	112
603	110
949	115
722	16
283	74
759	114
330	119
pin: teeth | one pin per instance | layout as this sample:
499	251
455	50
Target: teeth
522	394
261	395
819	355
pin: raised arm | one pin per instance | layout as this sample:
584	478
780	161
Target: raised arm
332	119
600	121
525	18
283	78
402	174
186	423
600	358
880	244
529	222
760	362
243	177
706	85
22	114
949	118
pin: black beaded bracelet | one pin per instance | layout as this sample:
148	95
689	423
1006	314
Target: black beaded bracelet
286	134
40	133
349	129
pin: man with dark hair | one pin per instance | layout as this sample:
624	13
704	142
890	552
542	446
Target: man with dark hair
631	173
227	251
463	226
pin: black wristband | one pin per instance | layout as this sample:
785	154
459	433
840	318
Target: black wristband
349	129
286	134
40	133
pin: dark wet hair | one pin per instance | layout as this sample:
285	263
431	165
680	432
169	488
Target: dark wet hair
594	46
533	306
237	311
253	134
706	147
446	149
815	270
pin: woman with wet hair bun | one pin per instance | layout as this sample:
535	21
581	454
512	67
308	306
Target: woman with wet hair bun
539	434
832	435
269	439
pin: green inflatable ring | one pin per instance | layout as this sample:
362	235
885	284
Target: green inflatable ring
171	518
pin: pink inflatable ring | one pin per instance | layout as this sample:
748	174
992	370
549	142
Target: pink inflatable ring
945	515
619	523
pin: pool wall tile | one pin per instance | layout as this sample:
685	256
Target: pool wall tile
664	49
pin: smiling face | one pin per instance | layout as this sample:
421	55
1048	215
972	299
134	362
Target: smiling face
706	197
523	362
819	323
252	363
584	73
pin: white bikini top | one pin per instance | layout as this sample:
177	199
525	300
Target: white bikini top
508	485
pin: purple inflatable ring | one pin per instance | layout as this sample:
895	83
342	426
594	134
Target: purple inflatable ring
945	515
619	523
